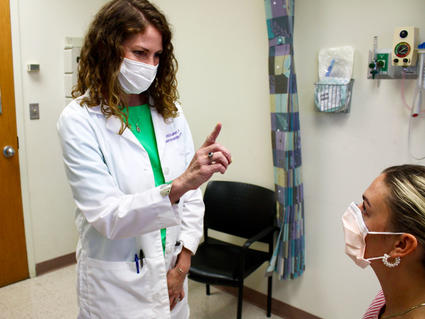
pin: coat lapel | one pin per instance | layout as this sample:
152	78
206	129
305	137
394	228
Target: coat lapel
113	124
159	126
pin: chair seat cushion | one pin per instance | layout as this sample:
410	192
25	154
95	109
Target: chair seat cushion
217	262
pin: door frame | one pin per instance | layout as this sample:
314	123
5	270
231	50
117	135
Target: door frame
22	114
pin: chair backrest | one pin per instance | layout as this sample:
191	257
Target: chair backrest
239	209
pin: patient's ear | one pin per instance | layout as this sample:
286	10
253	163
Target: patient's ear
405	245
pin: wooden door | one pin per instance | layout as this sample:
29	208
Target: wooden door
13	252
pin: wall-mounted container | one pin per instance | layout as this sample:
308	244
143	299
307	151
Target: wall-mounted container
333	97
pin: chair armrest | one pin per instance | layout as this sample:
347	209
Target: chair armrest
265	232
260	235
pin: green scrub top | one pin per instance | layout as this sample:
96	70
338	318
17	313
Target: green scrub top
140	122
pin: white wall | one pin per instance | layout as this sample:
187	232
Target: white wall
343	153
222	51
39	29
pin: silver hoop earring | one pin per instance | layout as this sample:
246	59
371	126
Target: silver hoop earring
388	264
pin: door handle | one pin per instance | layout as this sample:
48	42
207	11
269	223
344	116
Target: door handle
8	151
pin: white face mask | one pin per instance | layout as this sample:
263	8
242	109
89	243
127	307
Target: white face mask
136	77
355	232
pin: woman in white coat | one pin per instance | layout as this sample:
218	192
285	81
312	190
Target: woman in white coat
132	168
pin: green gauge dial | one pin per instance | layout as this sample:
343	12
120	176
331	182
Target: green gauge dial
402	49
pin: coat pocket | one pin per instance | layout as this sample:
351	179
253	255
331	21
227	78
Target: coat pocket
177	250
116	290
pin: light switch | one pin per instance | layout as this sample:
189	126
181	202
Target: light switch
34	111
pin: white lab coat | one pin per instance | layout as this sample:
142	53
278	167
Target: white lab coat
120	211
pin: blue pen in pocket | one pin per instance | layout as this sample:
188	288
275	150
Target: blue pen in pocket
136	260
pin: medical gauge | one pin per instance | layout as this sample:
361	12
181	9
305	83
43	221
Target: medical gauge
404	46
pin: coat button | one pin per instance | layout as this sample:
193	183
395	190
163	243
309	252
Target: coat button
166	170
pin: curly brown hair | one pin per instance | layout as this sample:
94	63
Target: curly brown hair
102	54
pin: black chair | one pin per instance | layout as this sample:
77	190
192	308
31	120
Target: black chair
243	210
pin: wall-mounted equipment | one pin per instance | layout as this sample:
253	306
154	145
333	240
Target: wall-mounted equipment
398	62
71	59
419	97
34	111
380	64
33	67
333	91
333	98
404	46
415	135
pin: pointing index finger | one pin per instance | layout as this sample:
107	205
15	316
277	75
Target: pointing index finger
213	136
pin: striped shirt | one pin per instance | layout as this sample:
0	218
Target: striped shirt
376	307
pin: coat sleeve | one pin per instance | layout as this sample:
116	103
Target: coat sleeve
192	215
96	194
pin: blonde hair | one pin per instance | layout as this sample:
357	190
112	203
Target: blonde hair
406	199
102	54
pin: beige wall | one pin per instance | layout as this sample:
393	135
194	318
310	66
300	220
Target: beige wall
39	29
222	51
343	153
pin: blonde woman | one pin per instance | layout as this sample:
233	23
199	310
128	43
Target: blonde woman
134	175
387	232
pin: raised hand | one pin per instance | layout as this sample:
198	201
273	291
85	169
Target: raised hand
210	158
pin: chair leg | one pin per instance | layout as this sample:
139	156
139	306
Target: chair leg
240	298
269	297
208	290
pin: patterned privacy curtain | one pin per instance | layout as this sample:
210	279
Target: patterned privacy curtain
288	257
